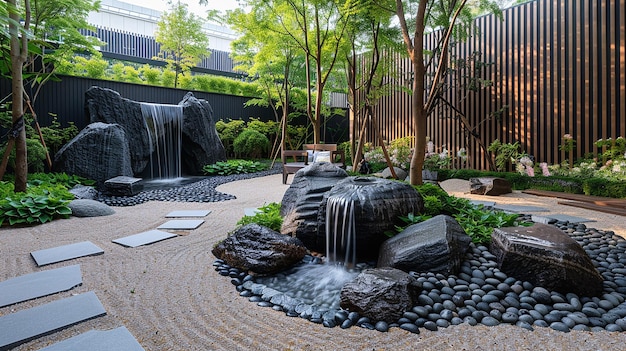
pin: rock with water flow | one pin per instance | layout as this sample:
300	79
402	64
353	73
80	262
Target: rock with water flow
381	294
437	245
547	257
259	249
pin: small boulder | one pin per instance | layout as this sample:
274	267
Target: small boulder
400	173
546	256
259	249
437	245
89	208
84	192
493	186
381	294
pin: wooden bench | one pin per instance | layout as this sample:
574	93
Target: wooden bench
295	160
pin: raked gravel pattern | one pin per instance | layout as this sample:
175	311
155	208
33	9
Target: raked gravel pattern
479	294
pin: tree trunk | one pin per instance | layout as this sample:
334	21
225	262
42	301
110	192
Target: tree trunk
19	49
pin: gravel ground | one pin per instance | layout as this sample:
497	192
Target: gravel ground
170	298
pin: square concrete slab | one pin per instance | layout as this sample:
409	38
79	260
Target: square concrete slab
181	224
66	252
484	203
20	327
188	213
31	286
99	340
145	238
250	211
568	218
520	208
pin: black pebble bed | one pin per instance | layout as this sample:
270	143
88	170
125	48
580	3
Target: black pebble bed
479	294
202	190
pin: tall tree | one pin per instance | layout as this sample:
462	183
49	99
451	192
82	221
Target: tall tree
443	15
183	43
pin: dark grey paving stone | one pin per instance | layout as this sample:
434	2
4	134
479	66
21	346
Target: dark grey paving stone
145	238
188	213
66	252
31	286
484	203
23	326
568	218
99	340
520	208
181	224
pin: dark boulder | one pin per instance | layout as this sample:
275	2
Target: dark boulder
490	186
200	142
437	245
99	152
381	294
546	256
259	249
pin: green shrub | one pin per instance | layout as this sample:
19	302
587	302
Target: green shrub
228	131
40	204
268	216
234	167
250	144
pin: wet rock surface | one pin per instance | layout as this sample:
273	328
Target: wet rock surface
380	294
259	249
479	294
437	245
547	257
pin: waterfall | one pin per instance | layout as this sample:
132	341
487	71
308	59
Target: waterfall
164	126
340	231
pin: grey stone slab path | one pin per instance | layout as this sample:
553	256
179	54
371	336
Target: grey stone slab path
145	238
484	203
99	340
181	224
66	252
188	213
20	327
31	286
520	208
568	218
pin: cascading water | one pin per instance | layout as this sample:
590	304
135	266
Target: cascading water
164	126
340	231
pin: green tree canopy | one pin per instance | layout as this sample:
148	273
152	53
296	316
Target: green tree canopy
183	43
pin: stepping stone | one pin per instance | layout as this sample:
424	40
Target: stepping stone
181	224
145	238
188	213
34	285
99	340
66	252
484	203
568	218
520	208
23	326
250	212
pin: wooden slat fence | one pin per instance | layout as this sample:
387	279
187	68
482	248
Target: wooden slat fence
558	67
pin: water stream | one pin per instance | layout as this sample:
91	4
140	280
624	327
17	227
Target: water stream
164	125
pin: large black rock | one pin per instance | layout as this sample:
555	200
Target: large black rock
437	245
200	142
99	152
381	294
260	249
546	256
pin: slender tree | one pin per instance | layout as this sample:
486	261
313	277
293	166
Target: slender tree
183	43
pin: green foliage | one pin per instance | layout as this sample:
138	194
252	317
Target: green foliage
56	136
505	153
268	216
35	157
40	204
234	167
64	179
250	143
228	131
151	74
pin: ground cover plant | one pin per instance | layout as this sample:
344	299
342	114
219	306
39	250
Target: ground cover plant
46	198
235	167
